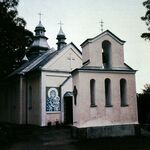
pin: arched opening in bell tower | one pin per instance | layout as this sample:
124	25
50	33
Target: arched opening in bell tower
106	54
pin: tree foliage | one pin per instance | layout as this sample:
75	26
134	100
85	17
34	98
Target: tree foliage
143	100
146	89
146	18
14	38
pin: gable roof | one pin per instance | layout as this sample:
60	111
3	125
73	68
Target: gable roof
100	35
30	65
39	61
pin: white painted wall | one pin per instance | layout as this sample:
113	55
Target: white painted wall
34	113
67	60
54	73
51	80
98	116
93	52
84	114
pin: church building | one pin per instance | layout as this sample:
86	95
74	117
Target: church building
36	91
93	91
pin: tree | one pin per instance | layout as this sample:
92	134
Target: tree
146	18
14	38
143	100
146	89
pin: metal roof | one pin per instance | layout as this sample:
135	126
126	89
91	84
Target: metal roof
39	61
34	63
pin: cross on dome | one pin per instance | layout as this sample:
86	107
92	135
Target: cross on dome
61	31
60	23
40	16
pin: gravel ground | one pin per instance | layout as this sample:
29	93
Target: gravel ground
59	138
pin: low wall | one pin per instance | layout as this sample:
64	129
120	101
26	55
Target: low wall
106	131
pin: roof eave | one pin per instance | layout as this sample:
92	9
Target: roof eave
103	33
76	47
102	70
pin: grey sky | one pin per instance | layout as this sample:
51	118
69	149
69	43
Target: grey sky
81	17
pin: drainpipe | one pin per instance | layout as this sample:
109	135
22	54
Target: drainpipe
26	102
21	99
61	104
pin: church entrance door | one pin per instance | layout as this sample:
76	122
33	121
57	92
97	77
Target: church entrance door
68	110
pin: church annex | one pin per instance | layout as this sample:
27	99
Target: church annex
94	91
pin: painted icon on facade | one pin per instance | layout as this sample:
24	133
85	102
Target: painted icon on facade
52	99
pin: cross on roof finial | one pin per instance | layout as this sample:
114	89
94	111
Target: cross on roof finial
101	24
40	16
60	23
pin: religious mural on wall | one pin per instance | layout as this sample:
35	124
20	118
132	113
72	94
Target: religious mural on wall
52	99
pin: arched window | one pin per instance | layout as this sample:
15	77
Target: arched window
123	92
92	92
106	54
30	97
108	102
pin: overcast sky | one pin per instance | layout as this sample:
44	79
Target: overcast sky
81	21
